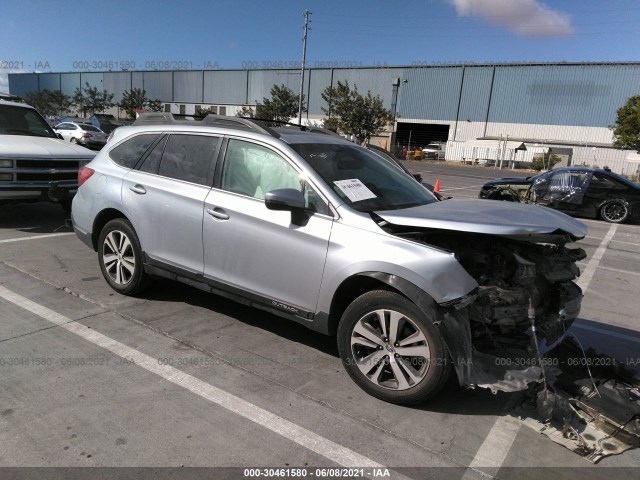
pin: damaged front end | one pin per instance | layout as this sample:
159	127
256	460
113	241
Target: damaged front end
525	302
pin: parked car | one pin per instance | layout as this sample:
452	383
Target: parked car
578	191
323	232
82	133
434	151
35	164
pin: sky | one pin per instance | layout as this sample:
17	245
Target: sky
74	36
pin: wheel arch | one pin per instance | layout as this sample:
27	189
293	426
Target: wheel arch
360	283
101	220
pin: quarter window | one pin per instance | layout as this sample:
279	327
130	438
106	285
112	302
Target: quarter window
129	152
188	158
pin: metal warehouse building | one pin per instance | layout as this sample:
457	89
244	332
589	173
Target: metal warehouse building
474	108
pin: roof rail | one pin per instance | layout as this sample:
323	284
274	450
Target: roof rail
160	118
222	121
243	123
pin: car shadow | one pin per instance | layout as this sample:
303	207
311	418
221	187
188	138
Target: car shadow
165	290
38	217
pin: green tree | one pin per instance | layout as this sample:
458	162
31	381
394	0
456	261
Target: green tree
90	100
246	111
49	102
203	112
626	131
354	114
136	99
545	162
281	107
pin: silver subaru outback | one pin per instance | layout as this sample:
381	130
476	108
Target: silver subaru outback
306	225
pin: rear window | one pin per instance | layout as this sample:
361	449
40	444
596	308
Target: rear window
89	128
130	151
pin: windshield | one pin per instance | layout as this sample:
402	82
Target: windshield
23	121
362	179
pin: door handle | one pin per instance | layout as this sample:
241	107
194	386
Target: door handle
138	189
218	213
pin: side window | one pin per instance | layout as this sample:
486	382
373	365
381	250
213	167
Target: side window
602	181
151	164
130	151
188	157
254	170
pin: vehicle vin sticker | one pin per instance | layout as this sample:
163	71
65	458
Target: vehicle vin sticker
354	189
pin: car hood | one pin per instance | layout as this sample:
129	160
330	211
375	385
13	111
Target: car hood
22	146
509	181
488	217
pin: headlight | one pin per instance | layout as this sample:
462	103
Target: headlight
6	163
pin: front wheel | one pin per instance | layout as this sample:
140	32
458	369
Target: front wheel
120	257
615	212
391	349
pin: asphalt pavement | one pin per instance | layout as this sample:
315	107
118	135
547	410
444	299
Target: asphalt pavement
180	378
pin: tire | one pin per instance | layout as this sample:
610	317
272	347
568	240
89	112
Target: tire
615	212
120	257
73	140
406	366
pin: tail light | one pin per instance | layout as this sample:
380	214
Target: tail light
86	135
84	174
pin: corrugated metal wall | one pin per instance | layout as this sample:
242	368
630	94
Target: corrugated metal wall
117	83
429	93
582	95
261	81
187	86
225	87
49	81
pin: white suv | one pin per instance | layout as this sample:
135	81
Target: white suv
35	164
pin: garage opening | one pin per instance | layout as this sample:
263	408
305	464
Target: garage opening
419	135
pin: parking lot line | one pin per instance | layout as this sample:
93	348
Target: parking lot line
496	446
35	237
589	270
289	430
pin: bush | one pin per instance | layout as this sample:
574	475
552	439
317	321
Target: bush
546	162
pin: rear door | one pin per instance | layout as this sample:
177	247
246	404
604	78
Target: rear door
165	195
257	250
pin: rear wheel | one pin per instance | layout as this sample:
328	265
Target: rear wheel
73	140
615	212
391	349
120	257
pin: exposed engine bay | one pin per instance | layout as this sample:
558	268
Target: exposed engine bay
512	336
523	287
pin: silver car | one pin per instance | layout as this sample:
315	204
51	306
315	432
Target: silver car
311	227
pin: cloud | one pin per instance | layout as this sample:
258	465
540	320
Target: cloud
523	17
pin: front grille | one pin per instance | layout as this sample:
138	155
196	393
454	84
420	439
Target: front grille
66	164
45	177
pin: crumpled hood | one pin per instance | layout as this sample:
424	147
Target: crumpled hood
24	146
486	216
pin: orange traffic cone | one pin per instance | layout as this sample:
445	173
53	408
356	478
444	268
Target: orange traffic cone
437	187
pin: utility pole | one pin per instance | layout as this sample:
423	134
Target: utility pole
304	60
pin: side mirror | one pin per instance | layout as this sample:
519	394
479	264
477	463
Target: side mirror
284	199
288	199
59	135
418	177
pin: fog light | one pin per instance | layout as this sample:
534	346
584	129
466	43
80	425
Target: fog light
6	163
6	177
